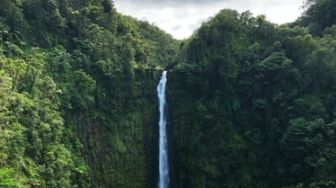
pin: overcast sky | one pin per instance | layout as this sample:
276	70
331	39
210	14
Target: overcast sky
181	17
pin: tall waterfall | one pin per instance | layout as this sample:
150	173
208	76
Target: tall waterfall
163	144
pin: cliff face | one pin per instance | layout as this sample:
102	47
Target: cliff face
250	103
78	95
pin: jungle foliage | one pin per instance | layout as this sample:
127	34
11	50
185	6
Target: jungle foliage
77	94
252	104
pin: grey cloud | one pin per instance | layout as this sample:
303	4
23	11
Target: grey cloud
182	17
172	3
180	14
177	3
176	27
196	24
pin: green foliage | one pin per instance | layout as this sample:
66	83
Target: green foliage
76	94
9	179
252	105
319	14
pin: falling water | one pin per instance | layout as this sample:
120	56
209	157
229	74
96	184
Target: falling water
163	144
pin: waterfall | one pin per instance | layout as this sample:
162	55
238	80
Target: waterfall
163	144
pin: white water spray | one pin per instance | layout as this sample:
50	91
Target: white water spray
163	144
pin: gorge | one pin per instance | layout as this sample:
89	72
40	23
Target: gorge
248	104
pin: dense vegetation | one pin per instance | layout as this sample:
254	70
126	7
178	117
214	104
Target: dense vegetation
251	104
77	94
319	15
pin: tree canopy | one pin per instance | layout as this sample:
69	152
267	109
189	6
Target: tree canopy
251	103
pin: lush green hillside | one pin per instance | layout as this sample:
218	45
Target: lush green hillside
319	14
252	104
77	84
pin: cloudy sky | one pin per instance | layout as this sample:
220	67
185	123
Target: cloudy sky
181	17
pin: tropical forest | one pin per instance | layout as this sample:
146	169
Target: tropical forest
242	103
